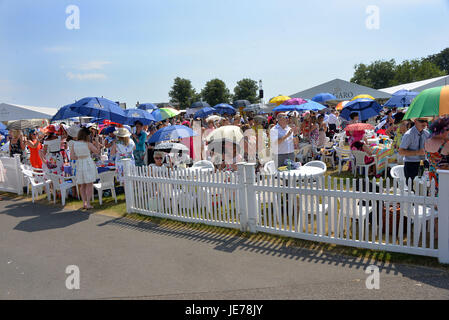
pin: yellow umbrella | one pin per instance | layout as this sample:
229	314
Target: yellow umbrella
279	100
360	96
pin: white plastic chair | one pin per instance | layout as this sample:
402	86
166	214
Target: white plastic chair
359	157
270	167
317	164
203	164
61	184
343	155
37	186
106	183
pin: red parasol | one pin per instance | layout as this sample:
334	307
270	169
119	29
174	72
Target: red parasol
359	127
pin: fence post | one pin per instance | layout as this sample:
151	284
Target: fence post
443	216
250	180
19	174
129	192
243	208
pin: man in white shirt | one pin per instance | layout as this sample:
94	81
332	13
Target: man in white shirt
332	121
282	146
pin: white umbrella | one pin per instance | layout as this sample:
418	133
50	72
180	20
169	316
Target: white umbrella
171	146
228	133
213	118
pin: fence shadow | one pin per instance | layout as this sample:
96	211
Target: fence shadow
314	253
51	218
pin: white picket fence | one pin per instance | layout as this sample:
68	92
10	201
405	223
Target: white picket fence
11	177
359	213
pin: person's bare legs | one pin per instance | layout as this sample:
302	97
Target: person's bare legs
83	194
89	188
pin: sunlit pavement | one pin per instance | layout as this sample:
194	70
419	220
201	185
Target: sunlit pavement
120	258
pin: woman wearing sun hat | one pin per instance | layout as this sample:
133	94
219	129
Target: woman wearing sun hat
52	150
123	148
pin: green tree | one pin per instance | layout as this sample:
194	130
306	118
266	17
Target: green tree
441	60
415	70
215	92
376	75
183	93
246	89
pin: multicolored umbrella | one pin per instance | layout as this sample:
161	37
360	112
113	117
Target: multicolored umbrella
279	99
362	96
169	112
341	105
431	102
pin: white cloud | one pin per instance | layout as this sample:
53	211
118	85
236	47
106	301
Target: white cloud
93	65
86	76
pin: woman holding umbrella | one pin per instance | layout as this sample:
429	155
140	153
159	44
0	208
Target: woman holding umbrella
437	147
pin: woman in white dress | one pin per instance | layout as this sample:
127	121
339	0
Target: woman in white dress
86	170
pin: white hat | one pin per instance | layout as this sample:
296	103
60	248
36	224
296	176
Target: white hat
122	132
73	131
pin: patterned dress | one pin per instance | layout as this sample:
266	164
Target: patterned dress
53	158
123	152
435	159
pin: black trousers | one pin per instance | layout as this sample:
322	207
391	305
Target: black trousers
411	170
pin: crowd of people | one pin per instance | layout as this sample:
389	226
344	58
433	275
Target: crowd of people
265	137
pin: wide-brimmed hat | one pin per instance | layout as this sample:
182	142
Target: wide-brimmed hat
50	129
73	131
122	132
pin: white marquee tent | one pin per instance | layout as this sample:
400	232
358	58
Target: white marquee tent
419	86
19	112
342	89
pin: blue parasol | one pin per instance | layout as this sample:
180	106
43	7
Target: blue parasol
99	108
171	133
366	108
141	115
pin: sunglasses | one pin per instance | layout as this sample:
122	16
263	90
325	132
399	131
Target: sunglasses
158	158
422	121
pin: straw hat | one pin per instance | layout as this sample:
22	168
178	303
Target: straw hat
122	132
73	131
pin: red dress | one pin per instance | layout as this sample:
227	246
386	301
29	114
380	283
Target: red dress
35	160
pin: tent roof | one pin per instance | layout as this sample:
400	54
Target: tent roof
343	90
419	85
10	111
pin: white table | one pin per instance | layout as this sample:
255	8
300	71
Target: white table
304	171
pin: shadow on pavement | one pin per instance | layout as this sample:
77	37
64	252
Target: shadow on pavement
43	217
230	243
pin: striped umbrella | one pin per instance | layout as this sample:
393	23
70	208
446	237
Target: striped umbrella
430	102
362	96
341	105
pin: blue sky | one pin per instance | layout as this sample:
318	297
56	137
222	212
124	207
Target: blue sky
132	50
